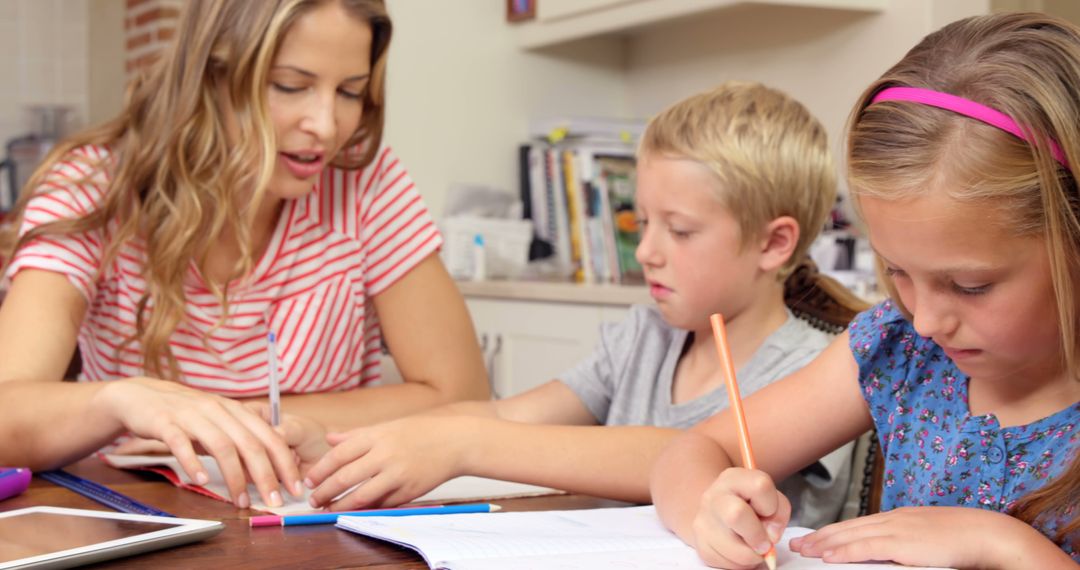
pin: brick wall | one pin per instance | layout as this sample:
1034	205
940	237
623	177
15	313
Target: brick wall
148	26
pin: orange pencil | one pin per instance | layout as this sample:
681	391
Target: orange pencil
728	369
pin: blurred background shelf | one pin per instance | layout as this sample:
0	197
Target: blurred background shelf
561	21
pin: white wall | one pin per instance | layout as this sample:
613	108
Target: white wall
461	92
105	89
42	60
824	58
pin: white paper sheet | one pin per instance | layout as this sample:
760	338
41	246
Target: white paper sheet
455	490
626	538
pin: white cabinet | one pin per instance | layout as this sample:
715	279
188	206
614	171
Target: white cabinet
559	21
532	332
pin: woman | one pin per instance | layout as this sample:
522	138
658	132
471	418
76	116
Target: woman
243	192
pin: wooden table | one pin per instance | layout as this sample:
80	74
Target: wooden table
240	546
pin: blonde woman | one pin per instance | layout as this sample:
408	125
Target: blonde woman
243	191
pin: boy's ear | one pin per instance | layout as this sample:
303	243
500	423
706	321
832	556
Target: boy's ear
778	241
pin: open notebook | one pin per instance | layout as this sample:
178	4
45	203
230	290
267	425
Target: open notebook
455	490
627	538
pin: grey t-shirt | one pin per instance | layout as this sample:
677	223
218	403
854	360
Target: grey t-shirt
627	380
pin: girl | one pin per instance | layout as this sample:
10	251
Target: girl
243	191
960	158
733	186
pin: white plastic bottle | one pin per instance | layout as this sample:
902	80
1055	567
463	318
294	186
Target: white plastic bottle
479	258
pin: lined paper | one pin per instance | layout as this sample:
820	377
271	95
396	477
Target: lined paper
627	538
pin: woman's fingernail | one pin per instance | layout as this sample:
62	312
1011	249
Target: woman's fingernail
762	548
275	499
826	554
314	504
243	501
202	478
298	488
775	530
308	483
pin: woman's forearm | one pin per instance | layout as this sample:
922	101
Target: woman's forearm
50	424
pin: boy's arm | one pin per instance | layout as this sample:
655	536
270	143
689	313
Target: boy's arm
604	461
510	439
401	460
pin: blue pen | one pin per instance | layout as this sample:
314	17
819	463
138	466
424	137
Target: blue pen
331	518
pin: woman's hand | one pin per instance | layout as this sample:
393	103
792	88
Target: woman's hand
955	537
741	517
305	436
392	462
185	419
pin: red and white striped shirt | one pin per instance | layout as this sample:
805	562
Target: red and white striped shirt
331	251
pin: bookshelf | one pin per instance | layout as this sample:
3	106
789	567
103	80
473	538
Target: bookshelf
562	21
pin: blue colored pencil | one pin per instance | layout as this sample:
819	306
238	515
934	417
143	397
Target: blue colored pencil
331	518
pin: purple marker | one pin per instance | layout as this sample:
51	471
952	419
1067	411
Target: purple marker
13	480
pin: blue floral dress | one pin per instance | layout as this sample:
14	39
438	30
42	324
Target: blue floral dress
936	453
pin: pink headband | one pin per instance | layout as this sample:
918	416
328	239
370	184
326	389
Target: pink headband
964	107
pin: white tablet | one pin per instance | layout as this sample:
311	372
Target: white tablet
55	537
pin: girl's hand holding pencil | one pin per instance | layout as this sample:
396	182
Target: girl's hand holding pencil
742	514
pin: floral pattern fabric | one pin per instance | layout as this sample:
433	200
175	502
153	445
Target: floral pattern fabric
936	453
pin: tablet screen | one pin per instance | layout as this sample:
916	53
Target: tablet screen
57	537
34	534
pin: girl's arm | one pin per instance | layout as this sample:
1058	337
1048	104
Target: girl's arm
543	437
425	322
791	422
957	537
51	423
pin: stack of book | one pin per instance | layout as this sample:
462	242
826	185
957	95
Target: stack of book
577	184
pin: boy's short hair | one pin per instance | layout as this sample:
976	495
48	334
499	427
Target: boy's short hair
769	153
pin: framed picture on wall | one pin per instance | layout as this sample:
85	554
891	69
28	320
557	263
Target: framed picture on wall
520	10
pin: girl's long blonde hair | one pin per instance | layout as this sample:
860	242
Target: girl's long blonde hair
772	158
1027	66
176	183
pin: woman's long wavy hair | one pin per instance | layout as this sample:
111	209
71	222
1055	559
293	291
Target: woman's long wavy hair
176	182
772	159
1026	65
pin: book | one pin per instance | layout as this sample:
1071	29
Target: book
459	489
617	180
629	537
534	195
575	211
556	198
